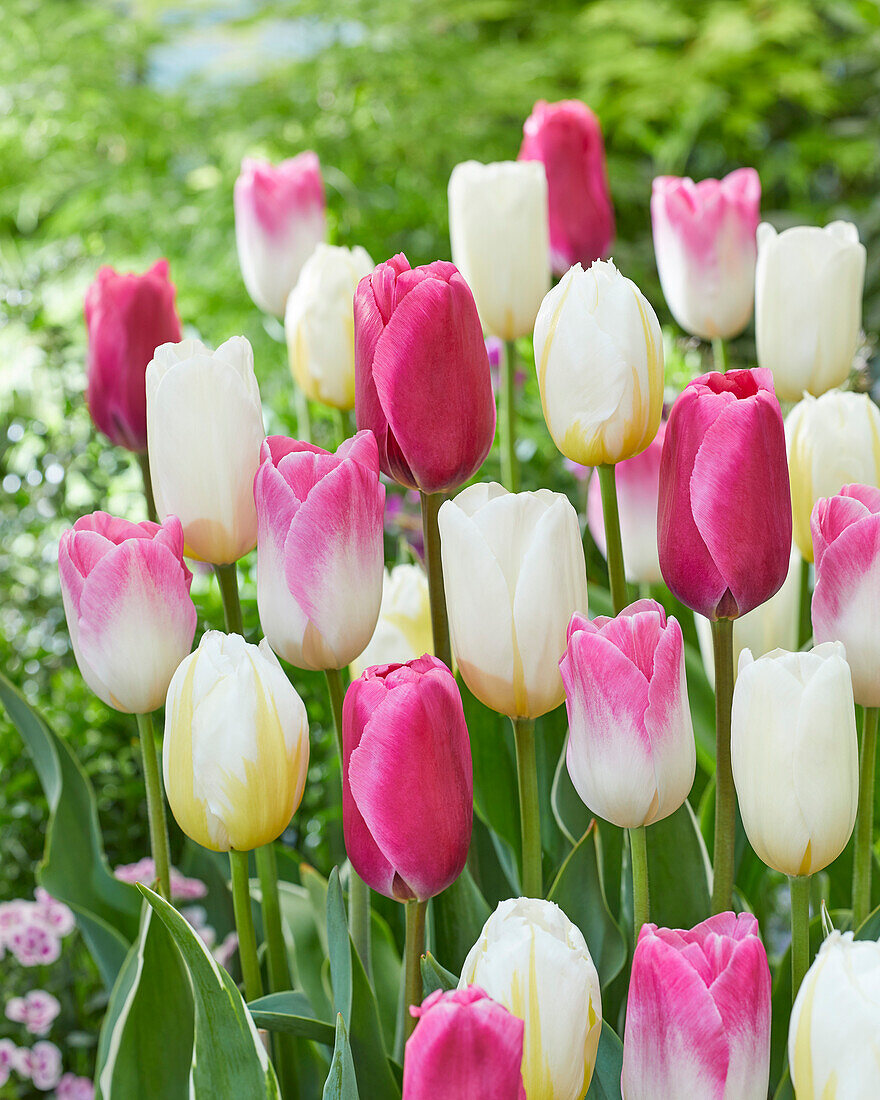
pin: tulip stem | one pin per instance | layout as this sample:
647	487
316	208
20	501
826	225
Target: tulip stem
155	806
613	542
244	925
864	832
800	930
340	425
303	415
805	620
415	948
436	593
529	809
227	579
638	847
144	463
509	463
719	354
725	796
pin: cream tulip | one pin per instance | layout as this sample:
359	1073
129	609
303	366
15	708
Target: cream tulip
403	631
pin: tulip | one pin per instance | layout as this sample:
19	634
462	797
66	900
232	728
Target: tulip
808	305
236	746
126	597
567	139
422	374
500	240
834	1031
319	326
465	1047
704	241
724	522
698	1013
205	429
279	220
403	631
320	549
127	317
832	441
534	961
599	355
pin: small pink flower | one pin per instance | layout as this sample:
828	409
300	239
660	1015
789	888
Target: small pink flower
182	888
54	914
71	1087
13	915
224	953
36	1010
45	1065
7	1059
34	945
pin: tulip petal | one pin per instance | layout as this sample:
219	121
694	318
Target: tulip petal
668	723
745	1017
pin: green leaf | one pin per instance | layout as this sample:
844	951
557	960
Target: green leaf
307	959
494	765
290	1012
458	916
869	929
341	1083
609	1065
678	871
702	703
339	949
434	976
785	1090
572	816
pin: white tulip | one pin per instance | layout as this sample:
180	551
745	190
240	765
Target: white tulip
403	631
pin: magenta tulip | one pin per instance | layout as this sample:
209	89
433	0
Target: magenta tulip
407	783
465	1047
724	518
422	381
698	1013
127	318
126	596
567	138
320	549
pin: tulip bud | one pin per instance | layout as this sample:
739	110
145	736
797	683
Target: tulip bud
422	374
567	139
126	597
513	568
406	761
832	441
127	317
320	549
236	746
599	354
808	305
403	631
793	720
500	240
834	1031
205	428
465	1045
279	219
319	326
704	241
534	961
698	1013
631	753
724	521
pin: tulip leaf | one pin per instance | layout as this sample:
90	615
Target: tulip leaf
341	1083
701	698
290	1012
435	976
609	1065
339	950
785	1090
678	871
572	816
869	929
458	916
308	956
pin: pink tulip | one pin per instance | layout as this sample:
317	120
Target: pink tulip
422	374
567	138
724	518
706	248
846	599
407	783
698	1013
127	317
129	611
465	1047
320	549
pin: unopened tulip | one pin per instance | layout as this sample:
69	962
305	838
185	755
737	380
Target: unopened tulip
127	317
808	305
126	596
319	323
534	961
403	631
320	549
279	220
832	441
513	567
205	429
698	1013
465	1047
724	519
567	139
422	374
834	1031
236	749
500	240
407	782
599	356
704	241
795	756
631	753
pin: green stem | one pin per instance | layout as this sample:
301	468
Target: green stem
336	691
279	969
805	620
144	463
641	895
529	810
244	924
509	463
719	354
800	930
415	948
155	806
436	593
303	416
613	543
227	579
725	796
864	831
